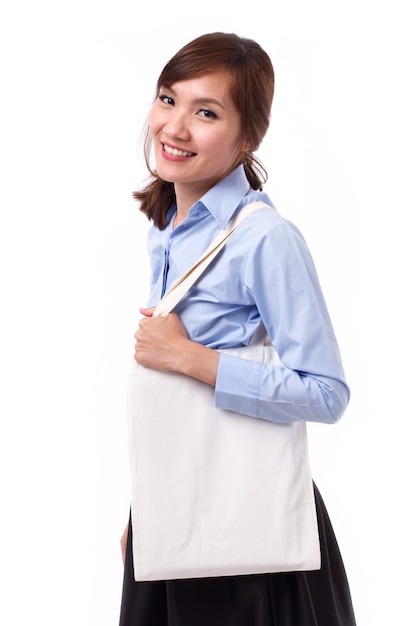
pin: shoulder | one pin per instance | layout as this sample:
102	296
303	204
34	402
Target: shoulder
269	224
268	242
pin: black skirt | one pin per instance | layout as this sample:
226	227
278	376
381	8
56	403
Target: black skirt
319	598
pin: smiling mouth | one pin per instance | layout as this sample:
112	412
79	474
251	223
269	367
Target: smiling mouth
175	152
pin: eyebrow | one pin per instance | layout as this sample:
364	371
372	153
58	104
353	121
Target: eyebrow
207	100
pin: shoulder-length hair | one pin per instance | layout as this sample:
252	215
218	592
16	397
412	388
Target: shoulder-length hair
251	89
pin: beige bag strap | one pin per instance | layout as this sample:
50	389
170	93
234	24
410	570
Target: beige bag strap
183	284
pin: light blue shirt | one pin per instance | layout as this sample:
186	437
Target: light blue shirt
264	273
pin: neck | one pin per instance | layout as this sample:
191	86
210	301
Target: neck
187	194
185	198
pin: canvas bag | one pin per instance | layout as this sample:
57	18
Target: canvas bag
214	492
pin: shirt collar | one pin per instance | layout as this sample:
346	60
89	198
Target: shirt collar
223	199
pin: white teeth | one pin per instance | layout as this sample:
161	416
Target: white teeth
176	152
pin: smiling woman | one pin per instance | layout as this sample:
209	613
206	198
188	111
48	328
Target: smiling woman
245	81
197	135
211	111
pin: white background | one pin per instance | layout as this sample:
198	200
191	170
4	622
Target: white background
77	80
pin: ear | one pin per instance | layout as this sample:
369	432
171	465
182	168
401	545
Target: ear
245	146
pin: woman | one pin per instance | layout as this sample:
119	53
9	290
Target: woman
210	114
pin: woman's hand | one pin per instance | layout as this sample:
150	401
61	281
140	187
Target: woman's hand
123	543
160	341
162	344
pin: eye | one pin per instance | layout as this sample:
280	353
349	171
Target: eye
166	99
208	114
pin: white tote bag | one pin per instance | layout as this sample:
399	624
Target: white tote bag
213	492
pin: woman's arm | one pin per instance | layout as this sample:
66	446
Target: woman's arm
310	385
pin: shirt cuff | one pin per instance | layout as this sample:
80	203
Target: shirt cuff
237	385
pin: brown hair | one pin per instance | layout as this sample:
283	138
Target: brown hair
252	89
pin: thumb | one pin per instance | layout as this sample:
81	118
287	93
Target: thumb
148	312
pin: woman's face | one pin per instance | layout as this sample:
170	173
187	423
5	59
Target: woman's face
196	130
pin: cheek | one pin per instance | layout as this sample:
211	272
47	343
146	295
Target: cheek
232	150
223	146
154	122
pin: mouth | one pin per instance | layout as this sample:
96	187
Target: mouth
176	152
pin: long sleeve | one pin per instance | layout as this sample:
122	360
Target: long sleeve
310	385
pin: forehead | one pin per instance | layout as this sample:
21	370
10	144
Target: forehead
216	83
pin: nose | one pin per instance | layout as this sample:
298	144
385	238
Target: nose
177	127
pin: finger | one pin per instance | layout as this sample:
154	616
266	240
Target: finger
147	312
142	326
